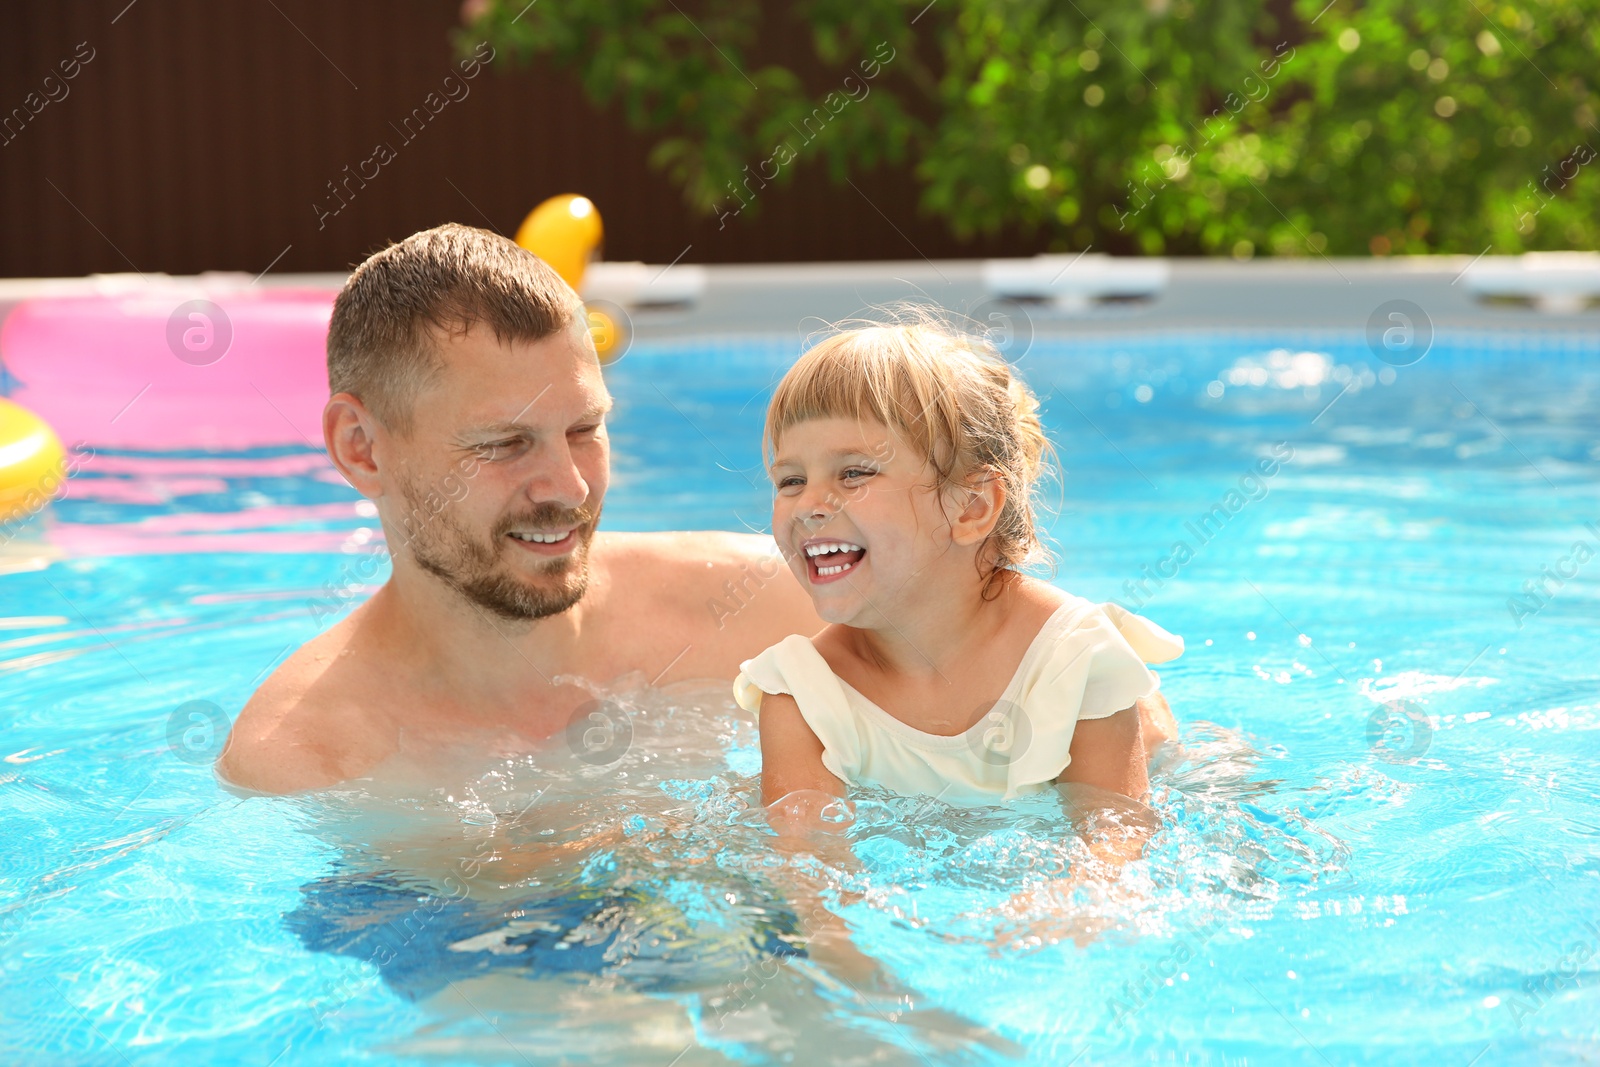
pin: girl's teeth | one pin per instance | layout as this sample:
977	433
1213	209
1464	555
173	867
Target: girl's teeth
834	570
836	546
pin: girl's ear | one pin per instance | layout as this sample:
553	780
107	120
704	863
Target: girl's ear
978	505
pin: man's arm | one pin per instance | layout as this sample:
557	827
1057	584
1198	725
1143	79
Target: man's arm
296	734
263	755
257	761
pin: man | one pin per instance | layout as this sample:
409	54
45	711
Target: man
468	405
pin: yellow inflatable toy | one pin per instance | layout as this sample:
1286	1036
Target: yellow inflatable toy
565	232
32	463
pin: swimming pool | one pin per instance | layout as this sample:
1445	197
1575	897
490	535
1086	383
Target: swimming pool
1382	844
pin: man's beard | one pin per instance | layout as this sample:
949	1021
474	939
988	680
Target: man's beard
475	570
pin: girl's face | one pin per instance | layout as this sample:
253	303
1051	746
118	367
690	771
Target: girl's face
856	515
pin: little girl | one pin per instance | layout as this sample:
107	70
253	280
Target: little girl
903	459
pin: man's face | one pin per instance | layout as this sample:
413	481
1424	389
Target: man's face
497	491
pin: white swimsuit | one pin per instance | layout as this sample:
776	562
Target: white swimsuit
1087	662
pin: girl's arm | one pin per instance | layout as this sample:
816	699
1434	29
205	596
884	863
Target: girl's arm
1110	771
1109	753
791	755
795	788
1103	790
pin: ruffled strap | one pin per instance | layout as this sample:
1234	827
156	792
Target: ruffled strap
794	666
1151	642
1094	669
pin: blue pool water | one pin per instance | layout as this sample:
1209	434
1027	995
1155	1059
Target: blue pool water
1381	841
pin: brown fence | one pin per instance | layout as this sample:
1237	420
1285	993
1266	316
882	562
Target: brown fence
190	135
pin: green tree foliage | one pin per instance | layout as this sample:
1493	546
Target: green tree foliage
1286	127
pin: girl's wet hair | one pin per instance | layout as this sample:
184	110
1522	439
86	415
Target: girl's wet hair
951	396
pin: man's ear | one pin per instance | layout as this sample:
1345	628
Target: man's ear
977	507
351	433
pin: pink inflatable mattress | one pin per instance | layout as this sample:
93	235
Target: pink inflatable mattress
178	368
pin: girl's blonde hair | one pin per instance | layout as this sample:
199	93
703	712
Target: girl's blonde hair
951	396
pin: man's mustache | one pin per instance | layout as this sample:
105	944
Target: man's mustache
546	516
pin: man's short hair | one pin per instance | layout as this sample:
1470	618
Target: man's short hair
382	337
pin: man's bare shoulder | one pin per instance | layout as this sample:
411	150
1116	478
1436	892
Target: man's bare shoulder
302	729
716	547
704	579
692	565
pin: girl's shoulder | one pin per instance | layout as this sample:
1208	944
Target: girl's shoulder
1036	591
1062	618
1038	601
834	644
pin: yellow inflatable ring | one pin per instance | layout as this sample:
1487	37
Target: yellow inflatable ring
32	463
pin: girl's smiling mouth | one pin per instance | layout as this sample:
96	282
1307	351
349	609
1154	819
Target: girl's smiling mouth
828	558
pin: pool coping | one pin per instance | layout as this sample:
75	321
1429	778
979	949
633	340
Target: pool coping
802	300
